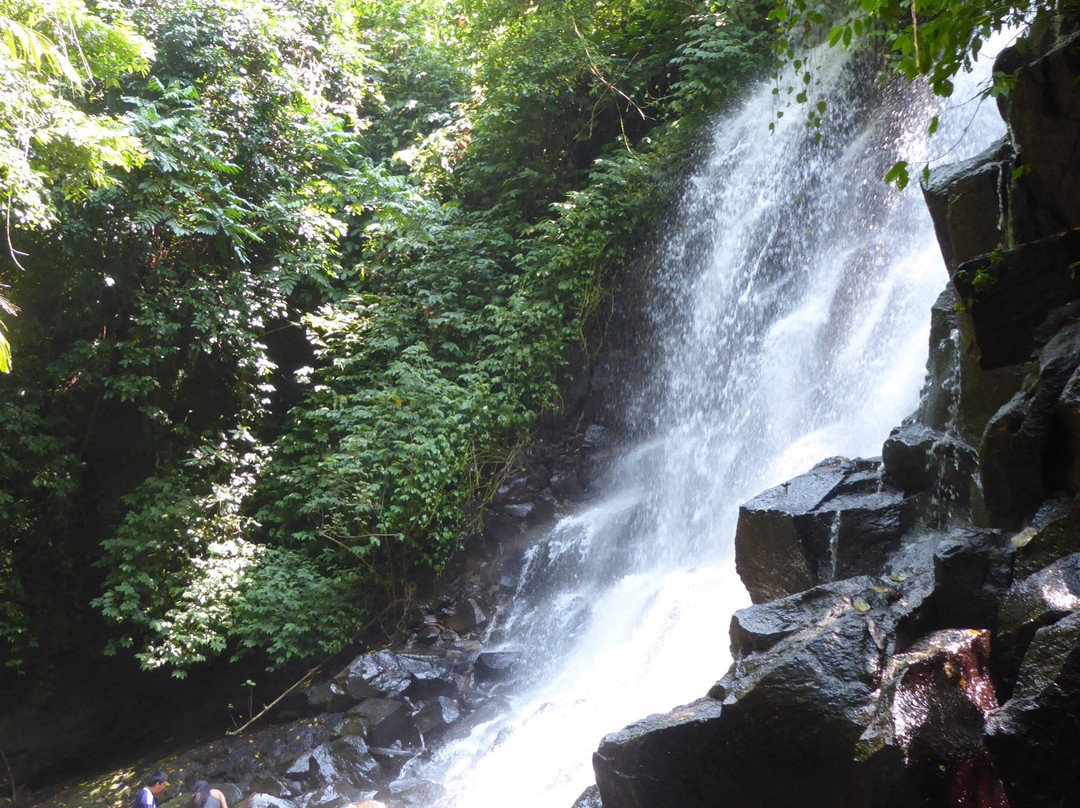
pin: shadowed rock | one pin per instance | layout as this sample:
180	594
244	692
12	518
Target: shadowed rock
973	570
1054	533
1036	601
1034	735
1043	113
1008	295
1021	458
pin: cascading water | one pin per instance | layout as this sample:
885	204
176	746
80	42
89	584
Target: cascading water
790	321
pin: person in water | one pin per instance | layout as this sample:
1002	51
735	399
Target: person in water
155	784
206	797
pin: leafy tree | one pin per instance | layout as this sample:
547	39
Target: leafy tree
51	53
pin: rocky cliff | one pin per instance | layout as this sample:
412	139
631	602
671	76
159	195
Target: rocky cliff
915	633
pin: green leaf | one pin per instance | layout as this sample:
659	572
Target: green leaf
5	352
898	175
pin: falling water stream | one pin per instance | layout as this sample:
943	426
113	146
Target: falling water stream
789	323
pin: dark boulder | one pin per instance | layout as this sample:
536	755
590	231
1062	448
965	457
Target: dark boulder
1024	457
835	521
771	553
393	758
390	674
1067	411
670	759
345	762
758	628
1035	735
497	666
435	716
1012	458
816	670
413	792
466	616
1054	532
973	569
919	459
386	722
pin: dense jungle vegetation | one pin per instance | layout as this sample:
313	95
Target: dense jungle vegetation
285	281
292	278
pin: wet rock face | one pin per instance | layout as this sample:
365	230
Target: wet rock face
835	521
1038	600
960	396
390	674
1027	448
828	688
664	760
965	199
931	714
1034	734
781	727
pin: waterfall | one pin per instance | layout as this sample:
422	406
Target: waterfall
789	323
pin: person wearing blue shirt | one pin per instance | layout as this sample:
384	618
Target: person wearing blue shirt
155	784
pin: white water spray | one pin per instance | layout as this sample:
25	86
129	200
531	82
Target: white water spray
791	316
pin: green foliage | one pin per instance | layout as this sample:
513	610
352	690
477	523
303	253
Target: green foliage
932	40
178	560
722	45
47	143
266	375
